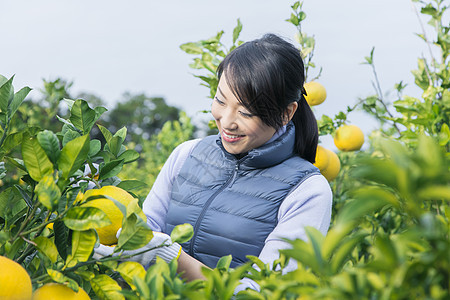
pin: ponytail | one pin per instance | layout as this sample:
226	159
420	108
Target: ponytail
306	131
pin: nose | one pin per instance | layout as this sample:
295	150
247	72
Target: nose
228	120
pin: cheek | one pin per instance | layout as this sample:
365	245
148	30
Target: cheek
215	111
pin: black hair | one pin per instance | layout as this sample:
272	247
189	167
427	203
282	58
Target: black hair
266	75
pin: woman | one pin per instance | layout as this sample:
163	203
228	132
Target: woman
254	184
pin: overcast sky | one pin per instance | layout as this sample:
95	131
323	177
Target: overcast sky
109	47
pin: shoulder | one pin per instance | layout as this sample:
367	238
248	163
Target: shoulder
314	185
183	150
314	191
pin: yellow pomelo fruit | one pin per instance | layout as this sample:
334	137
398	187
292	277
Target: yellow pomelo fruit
334	166
322	158
107	234
349	138
59	291
316	93
15	283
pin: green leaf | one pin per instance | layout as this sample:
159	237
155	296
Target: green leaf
10	204
106	133
122	133
82	116
86	275
334	237
435	192
69	103
48	192
6	94
191	48
84	218
46	246
429	10
294	20
94	148
382	171
115	144
106	288
61	238
25	194
70	135
182	233
303	253
129	270
67	125
367	201
73	156
50	143
224	263
129	156
17	100
129	185
316	240
35	159
12	140
342	253
135	233
385	254
142	287
61	278
99	110
301	16
237	31
256	260
83	243
110	169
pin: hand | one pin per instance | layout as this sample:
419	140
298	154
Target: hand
161	246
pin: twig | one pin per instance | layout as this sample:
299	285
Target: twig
28	241
423	30
380	97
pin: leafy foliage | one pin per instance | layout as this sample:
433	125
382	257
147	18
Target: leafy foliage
389	237
56	166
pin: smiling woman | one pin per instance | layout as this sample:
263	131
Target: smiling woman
249	188
240	130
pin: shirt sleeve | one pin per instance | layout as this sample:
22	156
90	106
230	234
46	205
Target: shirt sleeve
156	204
309	204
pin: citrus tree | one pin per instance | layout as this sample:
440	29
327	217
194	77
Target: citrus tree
68	200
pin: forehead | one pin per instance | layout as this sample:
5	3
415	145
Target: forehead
225	91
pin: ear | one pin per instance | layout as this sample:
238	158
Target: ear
289	112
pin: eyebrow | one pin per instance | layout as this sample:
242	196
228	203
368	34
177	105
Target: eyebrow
221	93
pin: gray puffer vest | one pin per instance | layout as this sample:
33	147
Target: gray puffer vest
233	203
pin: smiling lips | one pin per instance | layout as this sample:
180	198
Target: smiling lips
231	138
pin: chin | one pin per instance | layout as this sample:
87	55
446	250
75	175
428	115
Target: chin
232	150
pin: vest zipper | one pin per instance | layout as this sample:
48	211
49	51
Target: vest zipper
207	204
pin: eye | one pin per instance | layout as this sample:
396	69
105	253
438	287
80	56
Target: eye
219	101
246	115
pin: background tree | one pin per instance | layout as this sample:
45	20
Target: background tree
142	115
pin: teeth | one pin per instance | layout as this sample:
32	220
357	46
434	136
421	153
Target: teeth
230	136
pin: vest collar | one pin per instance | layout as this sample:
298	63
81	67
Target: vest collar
269	154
